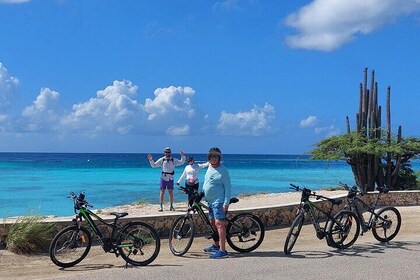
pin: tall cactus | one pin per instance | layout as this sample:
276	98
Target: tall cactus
368	168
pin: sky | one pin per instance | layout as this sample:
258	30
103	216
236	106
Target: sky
247	76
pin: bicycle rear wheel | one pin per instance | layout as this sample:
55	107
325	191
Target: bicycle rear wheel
386	224
70	246
245	233
138	243
343	230
293	234
181	235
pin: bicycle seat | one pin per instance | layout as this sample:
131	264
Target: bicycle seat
233	200
119	214
335	201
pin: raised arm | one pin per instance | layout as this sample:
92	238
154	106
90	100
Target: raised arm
154	164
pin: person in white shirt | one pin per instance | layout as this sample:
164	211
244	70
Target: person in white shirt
191	176
168	165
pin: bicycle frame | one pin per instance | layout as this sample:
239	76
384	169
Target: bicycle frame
308	207
353	203
106	242
198	207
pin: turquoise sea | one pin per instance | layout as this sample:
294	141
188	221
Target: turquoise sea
40	182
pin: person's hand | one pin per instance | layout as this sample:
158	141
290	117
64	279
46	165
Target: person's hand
225	208
149	157
182	153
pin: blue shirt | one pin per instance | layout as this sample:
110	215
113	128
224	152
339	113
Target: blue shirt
217	186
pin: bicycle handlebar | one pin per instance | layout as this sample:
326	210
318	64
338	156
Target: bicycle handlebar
79	201
353	189
198	196
308	192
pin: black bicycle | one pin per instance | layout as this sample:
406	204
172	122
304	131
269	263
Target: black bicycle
136	242
244	232
385	222
340	231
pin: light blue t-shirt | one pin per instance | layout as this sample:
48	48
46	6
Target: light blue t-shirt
217	186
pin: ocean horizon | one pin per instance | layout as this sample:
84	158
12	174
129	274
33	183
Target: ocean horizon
39	183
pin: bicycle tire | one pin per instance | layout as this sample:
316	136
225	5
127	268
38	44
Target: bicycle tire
245	233
181	235
70	246
344	230
138	243
293	234
383	222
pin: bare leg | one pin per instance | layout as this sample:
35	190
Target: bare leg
213	224
171	196
162	194
221	229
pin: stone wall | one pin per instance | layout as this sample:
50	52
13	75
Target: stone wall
279	216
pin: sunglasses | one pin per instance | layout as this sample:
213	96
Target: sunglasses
214	156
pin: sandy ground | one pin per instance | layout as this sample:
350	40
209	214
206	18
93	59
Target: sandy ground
14	266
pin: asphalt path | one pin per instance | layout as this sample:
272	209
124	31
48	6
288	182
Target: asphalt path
310	259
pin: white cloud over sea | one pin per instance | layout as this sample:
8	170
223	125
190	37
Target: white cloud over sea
8	89
326	25
117	109
255	122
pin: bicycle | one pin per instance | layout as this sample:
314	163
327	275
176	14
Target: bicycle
336	229
136	242
244	232
380	221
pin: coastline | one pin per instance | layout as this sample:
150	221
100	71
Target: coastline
246	201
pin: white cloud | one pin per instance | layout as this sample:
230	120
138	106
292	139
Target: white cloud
254	122
170	102
327	130
44	113
178	131
328	24
112	110
8	88
308	122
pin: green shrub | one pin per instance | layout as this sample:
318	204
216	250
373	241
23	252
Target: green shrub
29	235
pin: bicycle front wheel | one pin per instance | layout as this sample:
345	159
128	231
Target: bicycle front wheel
245	233
70	246
138	243
293	234
386	224
343	230
181	235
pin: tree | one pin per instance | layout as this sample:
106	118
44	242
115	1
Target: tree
374	154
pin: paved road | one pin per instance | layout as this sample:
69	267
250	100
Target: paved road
365	261
310	259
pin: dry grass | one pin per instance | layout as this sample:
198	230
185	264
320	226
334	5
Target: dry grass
29	235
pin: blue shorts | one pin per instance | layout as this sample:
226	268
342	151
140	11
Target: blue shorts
166	184
216	211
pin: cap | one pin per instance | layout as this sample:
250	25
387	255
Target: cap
167	150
